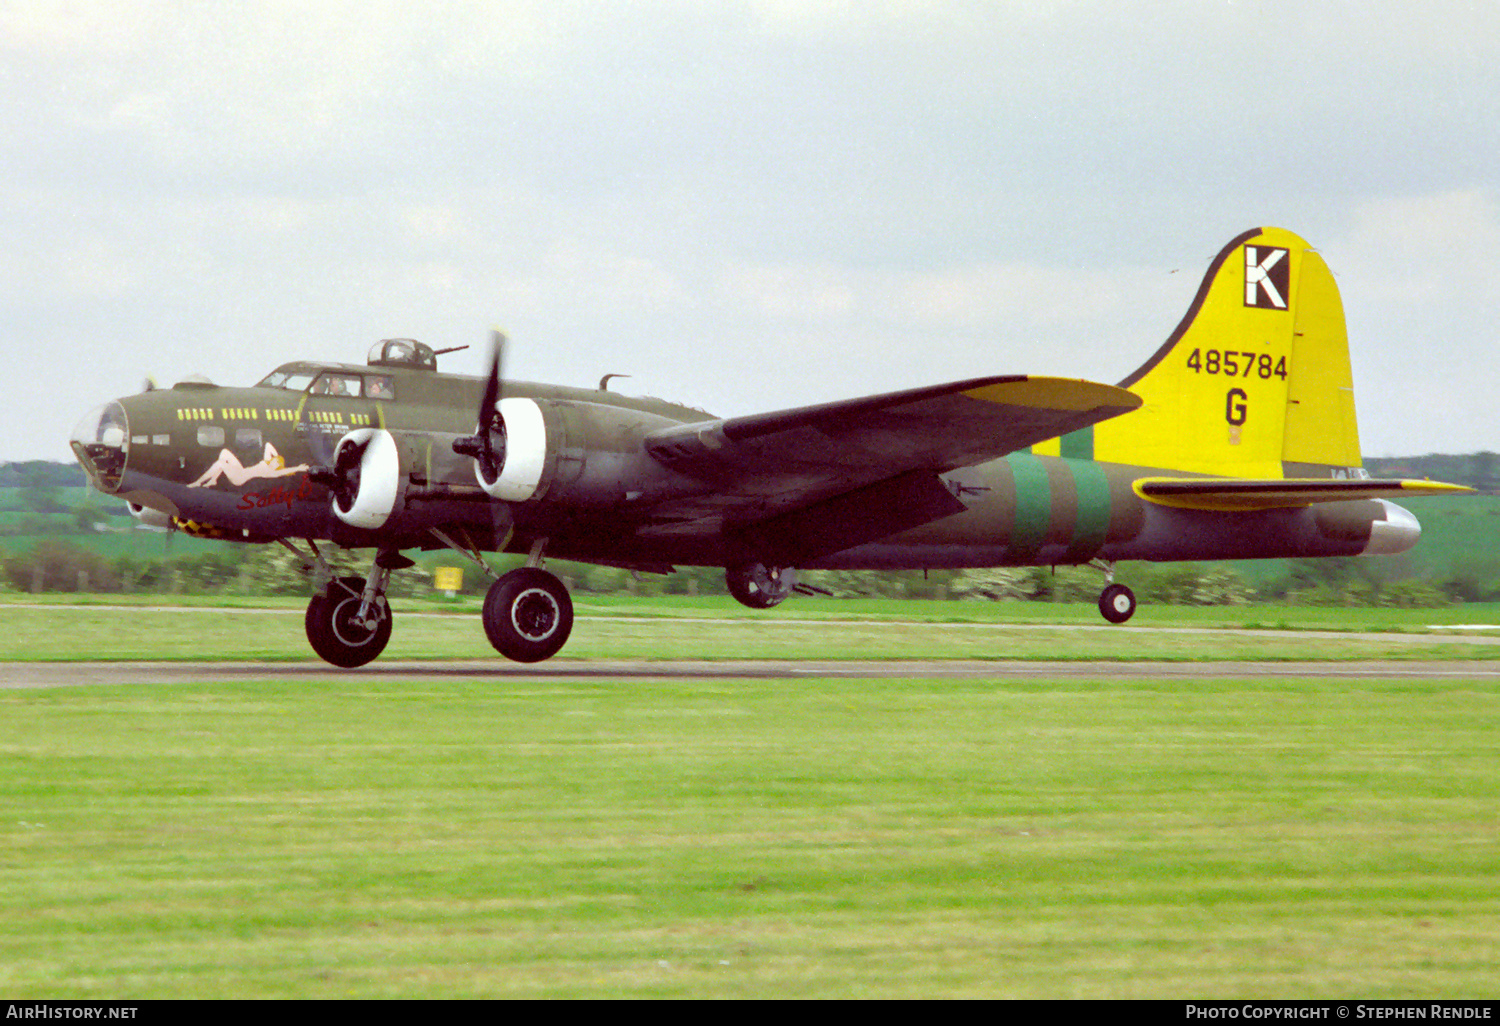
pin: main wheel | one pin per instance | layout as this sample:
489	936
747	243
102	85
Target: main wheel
336	635
528	615
1117	603
759	586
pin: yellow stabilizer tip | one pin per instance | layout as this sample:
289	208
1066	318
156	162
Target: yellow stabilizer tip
1056	394
1433	488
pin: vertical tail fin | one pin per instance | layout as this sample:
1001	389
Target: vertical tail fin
1255	382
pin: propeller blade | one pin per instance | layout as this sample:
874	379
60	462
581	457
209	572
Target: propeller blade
480	446
323	471
492	386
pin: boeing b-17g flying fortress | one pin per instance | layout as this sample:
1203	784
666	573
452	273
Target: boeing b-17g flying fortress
1235	440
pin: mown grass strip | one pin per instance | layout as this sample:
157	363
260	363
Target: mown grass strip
880	838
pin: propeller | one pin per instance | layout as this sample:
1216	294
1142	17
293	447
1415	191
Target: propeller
482	446
342	479
487	445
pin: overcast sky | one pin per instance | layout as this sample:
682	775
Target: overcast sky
745	205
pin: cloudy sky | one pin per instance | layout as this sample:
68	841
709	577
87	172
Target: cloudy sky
746	204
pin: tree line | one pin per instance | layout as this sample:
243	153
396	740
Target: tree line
54	520
63	565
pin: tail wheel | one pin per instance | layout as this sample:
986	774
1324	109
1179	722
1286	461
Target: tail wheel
336	633
1117	603
528	615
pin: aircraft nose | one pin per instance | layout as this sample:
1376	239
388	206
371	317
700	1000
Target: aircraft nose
1398	532
101	441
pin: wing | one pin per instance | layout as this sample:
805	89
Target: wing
1228	495
936	428
865	453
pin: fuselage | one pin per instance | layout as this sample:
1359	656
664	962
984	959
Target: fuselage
235	463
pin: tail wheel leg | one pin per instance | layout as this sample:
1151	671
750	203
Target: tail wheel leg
1117	603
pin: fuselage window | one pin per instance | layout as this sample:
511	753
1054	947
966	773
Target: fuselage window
211	436
247	438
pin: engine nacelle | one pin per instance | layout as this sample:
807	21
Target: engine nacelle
526	460
371	484
568	452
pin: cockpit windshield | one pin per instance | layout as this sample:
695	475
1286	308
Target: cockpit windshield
321	381
292	377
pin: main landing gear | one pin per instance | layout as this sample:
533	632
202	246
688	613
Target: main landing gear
759	586
527	613
348	621
342	628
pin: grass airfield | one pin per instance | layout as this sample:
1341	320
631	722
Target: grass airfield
1097	837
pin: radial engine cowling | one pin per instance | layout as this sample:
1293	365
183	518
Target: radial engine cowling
370	484
524	464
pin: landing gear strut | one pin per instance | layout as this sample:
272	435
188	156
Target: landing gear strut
343	628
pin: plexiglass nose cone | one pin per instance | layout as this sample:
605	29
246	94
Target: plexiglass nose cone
101	443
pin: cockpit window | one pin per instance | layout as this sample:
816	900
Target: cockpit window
338	385
379	386
291	378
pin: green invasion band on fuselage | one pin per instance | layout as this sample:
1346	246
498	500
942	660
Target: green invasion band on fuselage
1026	510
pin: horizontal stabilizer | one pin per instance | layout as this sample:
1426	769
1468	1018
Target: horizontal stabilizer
1227	495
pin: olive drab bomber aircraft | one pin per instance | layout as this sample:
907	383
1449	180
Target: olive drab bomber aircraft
1235	440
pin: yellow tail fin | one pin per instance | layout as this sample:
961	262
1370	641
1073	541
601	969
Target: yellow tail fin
1255	381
